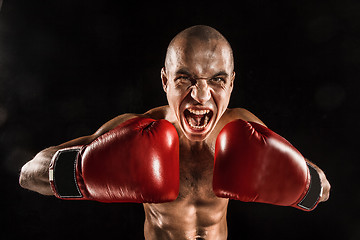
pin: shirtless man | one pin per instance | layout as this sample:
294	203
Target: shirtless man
198	80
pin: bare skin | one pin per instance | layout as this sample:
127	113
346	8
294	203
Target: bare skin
198	77
197	212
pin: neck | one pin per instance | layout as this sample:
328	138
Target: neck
195	145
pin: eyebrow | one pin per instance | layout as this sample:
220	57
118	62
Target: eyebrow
186	72
182	71
221	73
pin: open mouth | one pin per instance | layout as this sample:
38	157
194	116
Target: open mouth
198	119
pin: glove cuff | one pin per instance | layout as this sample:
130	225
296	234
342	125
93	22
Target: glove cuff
313	194
62	173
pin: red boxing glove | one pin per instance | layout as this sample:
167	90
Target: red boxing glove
138	161
254	164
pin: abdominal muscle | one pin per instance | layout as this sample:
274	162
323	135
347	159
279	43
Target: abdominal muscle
186	220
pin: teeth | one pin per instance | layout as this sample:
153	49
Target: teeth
197	127
206	121
198	112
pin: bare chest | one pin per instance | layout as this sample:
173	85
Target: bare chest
196	173
197	213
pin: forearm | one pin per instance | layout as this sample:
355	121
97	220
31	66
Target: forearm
324	183
34	174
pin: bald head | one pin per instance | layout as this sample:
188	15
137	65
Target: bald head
200	32
197	38
198	74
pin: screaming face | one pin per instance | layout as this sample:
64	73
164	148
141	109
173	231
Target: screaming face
198	79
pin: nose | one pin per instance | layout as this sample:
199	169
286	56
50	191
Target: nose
201	91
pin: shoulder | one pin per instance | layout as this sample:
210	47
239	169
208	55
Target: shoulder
113	123
155	113
158	113
241	113
230	115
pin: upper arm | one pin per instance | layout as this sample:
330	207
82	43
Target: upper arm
241	113
103	129
154	113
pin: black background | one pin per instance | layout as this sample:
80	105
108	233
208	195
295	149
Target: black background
66	67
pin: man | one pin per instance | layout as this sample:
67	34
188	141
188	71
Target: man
191	202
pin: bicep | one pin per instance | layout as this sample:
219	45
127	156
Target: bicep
103	129
114	123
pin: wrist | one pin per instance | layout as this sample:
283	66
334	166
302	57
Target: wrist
313	192
63	173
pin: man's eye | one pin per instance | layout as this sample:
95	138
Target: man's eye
218	79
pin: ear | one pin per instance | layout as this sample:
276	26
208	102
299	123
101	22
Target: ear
232	80
164	79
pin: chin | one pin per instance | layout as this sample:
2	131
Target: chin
196	137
